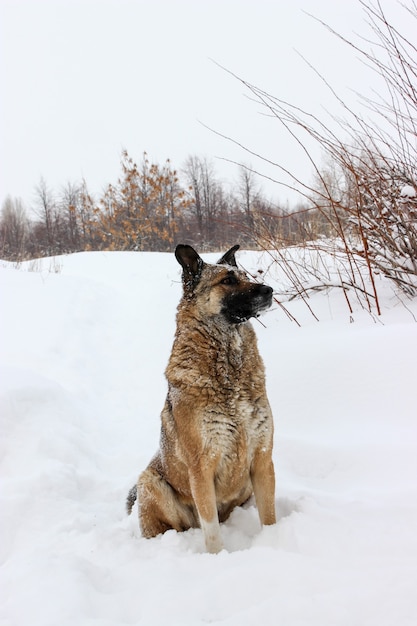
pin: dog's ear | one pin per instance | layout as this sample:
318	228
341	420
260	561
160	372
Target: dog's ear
192	265
228	257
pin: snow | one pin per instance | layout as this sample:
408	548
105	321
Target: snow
408	191
84	343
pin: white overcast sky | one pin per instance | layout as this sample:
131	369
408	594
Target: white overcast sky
83	79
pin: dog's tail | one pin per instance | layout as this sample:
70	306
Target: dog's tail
131	499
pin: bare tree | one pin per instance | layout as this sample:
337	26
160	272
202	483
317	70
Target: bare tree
47	212
207	198
70	210
14	229
248	193
88	221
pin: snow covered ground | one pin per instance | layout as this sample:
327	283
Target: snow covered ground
84	343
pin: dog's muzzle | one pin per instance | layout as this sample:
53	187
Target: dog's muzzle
239	307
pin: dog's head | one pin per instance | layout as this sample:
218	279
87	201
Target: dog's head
221	288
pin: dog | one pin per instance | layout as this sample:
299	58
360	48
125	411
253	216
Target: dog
217	426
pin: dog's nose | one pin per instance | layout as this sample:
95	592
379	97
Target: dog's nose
265	290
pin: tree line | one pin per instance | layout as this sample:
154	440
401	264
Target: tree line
364	201
150	207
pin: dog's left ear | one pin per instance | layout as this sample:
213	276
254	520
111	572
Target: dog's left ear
228	257
192	265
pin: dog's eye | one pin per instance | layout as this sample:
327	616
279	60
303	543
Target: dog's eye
230	280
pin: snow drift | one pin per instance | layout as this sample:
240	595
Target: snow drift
83	350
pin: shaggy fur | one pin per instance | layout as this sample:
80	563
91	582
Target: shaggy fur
217	429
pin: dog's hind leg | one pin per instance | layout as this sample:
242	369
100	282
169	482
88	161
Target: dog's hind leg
159	507
131	499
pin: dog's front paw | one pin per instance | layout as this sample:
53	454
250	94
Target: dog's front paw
211	532
214	545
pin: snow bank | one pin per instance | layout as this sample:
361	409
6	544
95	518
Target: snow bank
82	356
408	192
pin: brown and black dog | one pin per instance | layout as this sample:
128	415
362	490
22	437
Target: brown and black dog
217	428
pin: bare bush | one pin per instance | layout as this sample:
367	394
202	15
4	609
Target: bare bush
364	201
